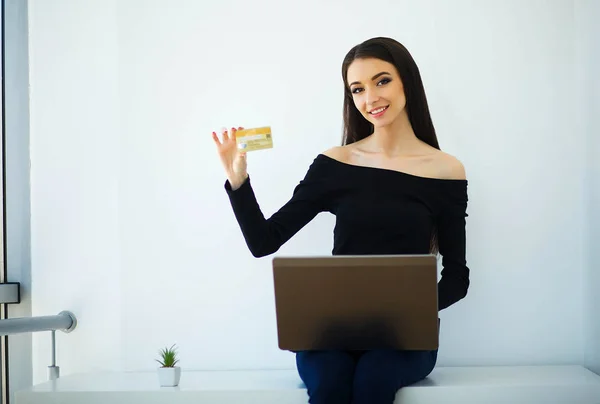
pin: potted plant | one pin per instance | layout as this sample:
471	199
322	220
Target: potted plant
168	373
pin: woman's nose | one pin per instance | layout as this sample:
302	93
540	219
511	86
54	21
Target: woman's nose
372	97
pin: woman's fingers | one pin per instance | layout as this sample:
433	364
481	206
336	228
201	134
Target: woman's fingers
226	136
216	139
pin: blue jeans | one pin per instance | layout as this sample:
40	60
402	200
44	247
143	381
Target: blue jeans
361	377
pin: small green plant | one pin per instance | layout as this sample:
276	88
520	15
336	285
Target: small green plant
168	357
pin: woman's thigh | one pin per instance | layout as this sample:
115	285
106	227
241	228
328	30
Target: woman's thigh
379	374
328	375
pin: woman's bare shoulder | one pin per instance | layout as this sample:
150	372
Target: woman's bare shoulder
449	167
340	153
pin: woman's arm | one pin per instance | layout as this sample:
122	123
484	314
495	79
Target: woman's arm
454	282
265	236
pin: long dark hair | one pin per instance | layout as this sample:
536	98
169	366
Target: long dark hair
356	127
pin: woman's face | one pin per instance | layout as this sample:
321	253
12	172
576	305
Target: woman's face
377	90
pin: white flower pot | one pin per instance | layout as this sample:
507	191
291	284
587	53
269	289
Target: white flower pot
169	377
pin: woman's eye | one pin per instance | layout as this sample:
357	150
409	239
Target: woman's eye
356	90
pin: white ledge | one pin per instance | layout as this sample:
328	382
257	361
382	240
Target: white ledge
448	385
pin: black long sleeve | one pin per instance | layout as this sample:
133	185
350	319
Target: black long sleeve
265	236
377	211
454	281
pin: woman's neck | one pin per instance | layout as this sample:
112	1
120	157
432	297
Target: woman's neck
396	139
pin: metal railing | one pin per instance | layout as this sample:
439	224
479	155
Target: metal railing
64	321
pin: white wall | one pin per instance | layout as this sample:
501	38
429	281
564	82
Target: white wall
17	219
588	62
131	227
74	181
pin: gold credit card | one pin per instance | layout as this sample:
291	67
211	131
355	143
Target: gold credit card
254	139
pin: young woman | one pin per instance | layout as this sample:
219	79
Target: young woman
392	190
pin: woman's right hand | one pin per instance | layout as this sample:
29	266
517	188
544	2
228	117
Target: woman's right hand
234	161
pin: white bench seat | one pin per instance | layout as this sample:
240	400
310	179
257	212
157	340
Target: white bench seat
447	385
